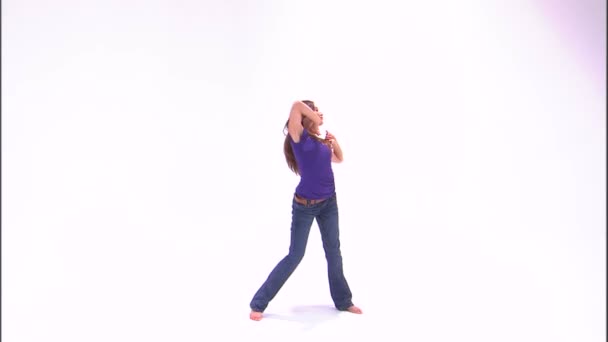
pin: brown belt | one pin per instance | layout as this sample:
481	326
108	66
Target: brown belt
307	201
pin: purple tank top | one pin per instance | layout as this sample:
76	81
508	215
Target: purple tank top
314	163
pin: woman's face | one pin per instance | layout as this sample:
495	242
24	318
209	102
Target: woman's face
310	126
306	122
316	109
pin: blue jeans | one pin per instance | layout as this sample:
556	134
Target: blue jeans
326	214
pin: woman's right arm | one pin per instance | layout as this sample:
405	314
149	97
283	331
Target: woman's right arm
294	126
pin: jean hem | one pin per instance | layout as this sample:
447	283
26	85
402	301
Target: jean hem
344	307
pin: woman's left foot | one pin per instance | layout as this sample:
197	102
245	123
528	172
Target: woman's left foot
255	315
354	309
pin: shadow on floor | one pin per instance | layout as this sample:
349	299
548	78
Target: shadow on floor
309	316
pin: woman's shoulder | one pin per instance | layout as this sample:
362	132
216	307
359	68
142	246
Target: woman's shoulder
304	135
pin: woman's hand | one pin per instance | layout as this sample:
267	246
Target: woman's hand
337	155
329	138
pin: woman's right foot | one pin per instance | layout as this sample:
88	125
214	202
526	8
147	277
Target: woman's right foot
354	309
255	315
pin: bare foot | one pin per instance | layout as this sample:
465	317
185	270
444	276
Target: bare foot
255	315
354	310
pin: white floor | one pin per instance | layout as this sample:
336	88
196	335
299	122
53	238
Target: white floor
184	283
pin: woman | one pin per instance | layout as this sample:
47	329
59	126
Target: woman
310	157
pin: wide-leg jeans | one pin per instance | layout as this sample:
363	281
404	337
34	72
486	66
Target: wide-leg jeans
303	215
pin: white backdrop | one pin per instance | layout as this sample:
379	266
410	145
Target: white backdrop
145	195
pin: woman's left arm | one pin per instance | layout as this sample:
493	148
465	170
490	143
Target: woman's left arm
336	156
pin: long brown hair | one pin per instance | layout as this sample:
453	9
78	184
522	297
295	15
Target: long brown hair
287	150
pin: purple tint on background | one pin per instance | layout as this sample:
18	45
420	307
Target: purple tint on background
582	26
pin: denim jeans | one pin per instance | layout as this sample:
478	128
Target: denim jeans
326	214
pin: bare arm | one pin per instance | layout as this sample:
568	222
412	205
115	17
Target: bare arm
336	155
294	127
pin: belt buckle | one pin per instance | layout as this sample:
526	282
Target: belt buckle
307	202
